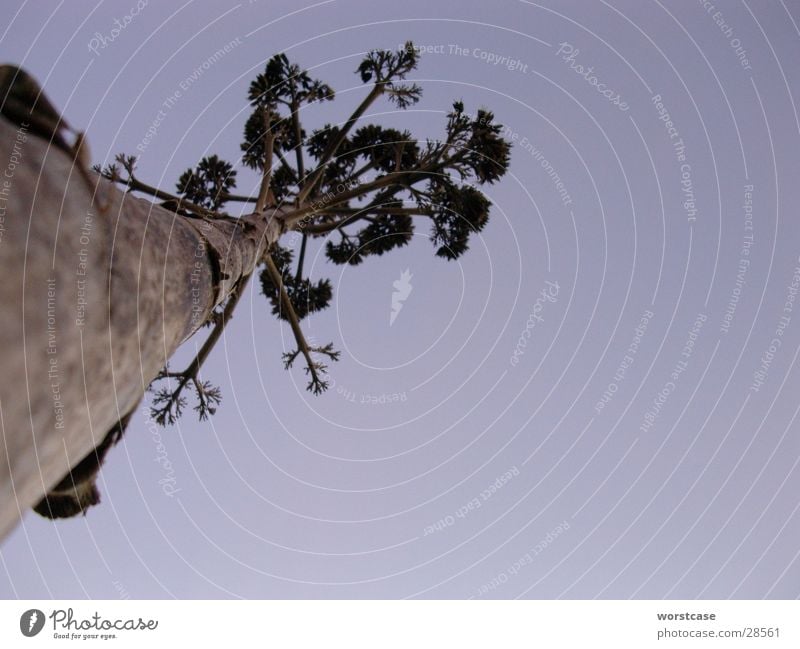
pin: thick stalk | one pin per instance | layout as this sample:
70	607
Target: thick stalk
94	307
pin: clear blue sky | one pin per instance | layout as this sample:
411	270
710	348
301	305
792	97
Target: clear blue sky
654	143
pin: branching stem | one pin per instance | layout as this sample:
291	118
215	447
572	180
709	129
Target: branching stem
333	146
269	145
300	339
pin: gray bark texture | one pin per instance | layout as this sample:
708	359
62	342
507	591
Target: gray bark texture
92	305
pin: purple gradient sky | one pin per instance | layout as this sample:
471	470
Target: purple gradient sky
285	495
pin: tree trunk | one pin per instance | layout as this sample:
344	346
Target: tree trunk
94	303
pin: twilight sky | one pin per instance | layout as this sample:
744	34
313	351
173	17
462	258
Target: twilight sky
598	400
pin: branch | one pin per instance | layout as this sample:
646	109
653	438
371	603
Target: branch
298	134
269	145
134	184
219	327
174	402
301	174
301	257
355	214
325	228
316	384
392	211
283	161
365	168
333	146
404	179
239	198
